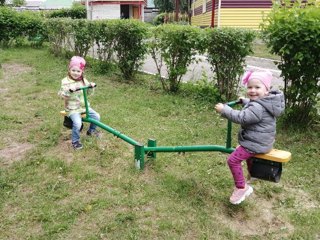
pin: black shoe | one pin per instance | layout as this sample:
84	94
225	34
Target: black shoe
94	133
77	145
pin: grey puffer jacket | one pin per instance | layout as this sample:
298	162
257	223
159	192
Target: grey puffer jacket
258	121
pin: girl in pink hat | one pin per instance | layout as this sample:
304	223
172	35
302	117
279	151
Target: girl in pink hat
258	126
74	101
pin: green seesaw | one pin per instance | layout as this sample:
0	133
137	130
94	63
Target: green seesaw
266	166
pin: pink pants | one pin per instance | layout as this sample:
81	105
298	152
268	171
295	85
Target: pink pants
234	162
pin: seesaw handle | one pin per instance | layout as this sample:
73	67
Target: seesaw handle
233	103
83	87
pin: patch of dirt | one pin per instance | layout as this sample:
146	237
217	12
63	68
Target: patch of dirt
64	149
259	219
13	70
302	200
14	152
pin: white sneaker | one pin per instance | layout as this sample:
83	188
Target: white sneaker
240	194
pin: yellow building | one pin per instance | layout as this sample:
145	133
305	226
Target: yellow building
229	13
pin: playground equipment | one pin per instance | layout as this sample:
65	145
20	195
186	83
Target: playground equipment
264	166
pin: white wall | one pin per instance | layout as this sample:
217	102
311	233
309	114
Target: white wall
104	11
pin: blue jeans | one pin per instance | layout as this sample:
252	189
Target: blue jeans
77	122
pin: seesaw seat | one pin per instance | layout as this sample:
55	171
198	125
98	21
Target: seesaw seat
268	166
275	155
64	113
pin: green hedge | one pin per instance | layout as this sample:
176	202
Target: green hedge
176	46
16	27
293	33
227	49
76	12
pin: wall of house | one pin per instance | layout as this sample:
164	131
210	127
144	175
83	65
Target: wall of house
104	11
201	12
244	17
112	9
230	13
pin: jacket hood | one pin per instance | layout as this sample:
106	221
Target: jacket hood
274	102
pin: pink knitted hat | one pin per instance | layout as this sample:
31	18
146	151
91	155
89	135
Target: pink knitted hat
77	61
265	77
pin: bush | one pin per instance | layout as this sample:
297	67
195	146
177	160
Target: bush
58	30
130	46
227	49
104	37
159	19
71	35
202	90
294	34
77	11
17	27
176	46
81	37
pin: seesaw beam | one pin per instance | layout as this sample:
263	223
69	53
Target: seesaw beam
111	130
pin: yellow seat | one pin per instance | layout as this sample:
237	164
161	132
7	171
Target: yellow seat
64	113
275	155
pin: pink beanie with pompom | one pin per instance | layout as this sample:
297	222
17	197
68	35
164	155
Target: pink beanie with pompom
265	77
78	62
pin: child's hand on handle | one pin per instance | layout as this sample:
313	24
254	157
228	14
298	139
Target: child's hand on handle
92	84
219	107
72	89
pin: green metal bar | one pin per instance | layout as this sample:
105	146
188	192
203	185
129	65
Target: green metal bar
229	126
152	143
86	100
229	131
111	130
233	103
139	156
195	148
138	148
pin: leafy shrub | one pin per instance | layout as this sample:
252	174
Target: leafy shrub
34	28
73	35
227	49
130	46
58	30
176	46
294	34
16	27
202	90
101	67
104	38
77	11
159	19
9	25
81	37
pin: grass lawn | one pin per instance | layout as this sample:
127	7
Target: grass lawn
50	191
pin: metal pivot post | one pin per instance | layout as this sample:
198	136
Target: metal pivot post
139	156
229	130
84	90
152	143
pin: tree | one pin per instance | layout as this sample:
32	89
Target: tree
18	3
169	5
2	2
164	5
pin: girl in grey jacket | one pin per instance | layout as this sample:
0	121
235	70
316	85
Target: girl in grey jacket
258	126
